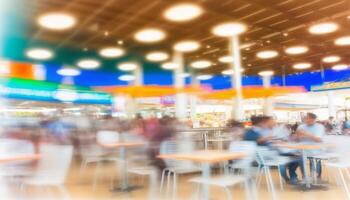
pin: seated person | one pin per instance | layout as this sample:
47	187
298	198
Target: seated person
261	132
311	131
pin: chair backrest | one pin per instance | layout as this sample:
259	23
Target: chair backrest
265	153
10	147
177	146
54	163
105	137
340	145
248	147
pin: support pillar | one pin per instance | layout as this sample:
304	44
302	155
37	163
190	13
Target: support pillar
268	101
179	83
238	111
331	106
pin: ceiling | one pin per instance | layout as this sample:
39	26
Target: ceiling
272	24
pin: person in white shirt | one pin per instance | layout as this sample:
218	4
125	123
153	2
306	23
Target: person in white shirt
311	131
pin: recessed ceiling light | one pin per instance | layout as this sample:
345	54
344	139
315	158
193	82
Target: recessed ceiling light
112	52
126	77
302	65
88	64
342	41
56	21
331	59
68	71
39	53
323	28
285	34
267	54
229	29
169	65
157	56
120	42
230	71
127	66
149	35
201	64
295	50
184	75
204	77
266	73
340	67
186	46
226	59
183	12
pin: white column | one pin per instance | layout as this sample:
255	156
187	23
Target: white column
179	82
238	111
268	101
131	103
331	106
193	99
138	73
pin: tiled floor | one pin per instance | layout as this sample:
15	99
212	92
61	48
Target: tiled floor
80	187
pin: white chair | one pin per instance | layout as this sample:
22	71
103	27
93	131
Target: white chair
95	153
341	148
266	159
175	168
228	180
52	168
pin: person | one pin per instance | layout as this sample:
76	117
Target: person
311	131
262	133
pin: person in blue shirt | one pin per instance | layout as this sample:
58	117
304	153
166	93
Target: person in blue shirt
261	132
312	132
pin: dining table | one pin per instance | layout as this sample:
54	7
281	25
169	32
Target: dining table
122	146
206	158
306	150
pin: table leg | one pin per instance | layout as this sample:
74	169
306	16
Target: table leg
206	175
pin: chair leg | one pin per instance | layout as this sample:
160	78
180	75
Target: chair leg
174	186
96	175
82	167
162	180
168	184
64	193
272	188
280	177
228	193
259	175
345	186
267	179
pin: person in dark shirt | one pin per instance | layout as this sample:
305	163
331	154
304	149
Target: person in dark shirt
261	132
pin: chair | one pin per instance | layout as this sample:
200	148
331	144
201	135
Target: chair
266	159
228	180
341	148
94	153
52	168
175	168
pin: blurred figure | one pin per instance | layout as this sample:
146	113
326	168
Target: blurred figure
311	131
235	128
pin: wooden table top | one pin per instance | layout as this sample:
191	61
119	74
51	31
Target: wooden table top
122	144
205	156
303	146
16	158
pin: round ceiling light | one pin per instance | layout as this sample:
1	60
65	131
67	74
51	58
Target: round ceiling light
39	54
340	67
127	66
229	29
149	35
68	71
157	56
295	50
267	54
183	12
226	59
230	71
184	75
302	65
126	77
112	52
204	77
266	73
56	21
201	64
323	28
342	41
169	65
88	64
186	46
331	59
